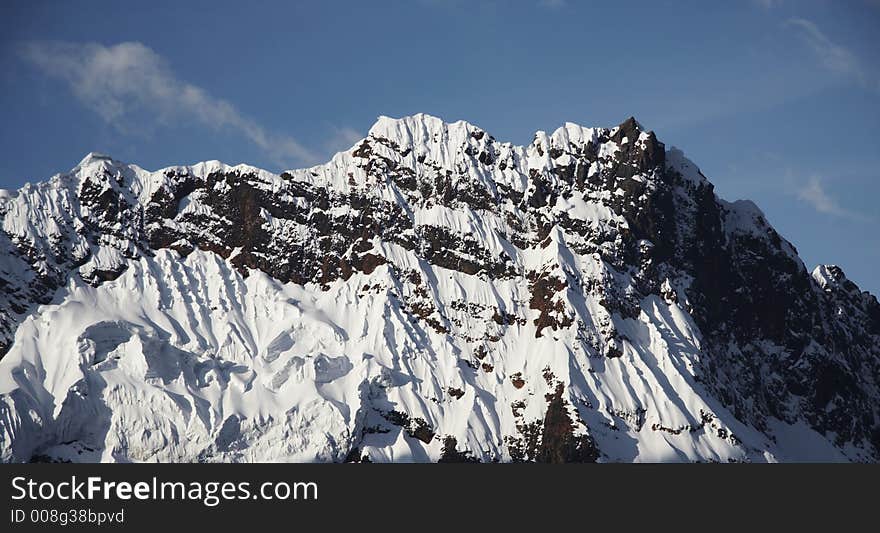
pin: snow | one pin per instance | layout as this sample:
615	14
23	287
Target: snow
573	134
187	359
182	338
799	443
676	160
579	208
828	276
744	217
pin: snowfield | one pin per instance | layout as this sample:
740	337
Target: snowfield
430	294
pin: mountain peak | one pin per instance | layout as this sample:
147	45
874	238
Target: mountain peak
419	128
631	124
588	293
628	129
96	160
94	157
828	276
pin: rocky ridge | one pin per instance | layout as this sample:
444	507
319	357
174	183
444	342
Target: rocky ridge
430	294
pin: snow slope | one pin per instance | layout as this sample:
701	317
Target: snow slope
430	294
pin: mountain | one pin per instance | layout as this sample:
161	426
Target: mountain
431	294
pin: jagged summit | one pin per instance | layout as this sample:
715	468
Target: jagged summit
92	157
408	131
97	162
430	294
420	127
630	126
405	126
828	275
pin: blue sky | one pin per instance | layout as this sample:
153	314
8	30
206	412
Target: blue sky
776	100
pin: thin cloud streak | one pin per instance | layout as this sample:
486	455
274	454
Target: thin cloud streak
815	195
767	4
831	55
342	139
120	80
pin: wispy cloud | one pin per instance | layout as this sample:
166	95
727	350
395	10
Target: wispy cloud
814	194
552	4
767	4
342	139
832	56
127	78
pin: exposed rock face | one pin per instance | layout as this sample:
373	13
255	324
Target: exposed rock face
430	294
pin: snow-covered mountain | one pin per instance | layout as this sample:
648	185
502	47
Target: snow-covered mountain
430	294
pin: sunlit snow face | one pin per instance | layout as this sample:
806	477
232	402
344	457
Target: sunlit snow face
430	283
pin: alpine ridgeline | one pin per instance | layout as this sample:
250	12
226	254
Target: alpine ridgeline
431	294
